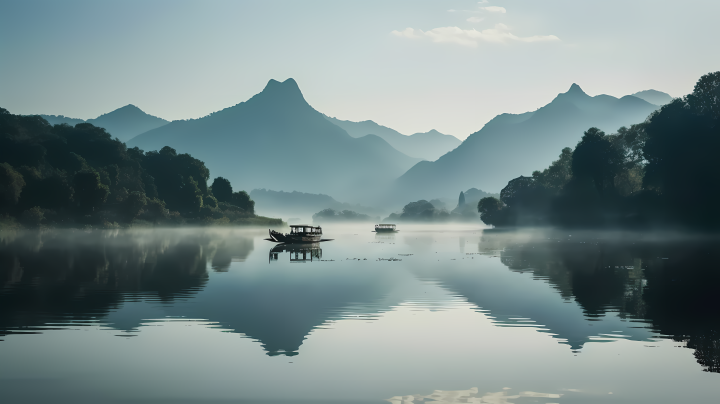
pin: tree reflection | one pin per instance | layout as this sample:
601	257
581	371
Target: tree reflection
672	284
62	276
682	297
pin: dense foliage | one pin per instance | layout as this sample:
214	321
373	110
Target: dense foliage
80	176
661	172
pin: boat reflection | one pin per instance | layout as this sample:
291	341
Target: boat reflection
297	252
387	236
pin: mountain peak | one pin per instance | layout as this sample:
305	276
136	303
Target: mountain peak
289	86
575	89
128	109
287	90
654	97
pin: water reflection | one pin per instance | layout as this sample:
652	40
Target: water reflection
73	276
470	396
578	289
62	279
230	249
669	285
297	252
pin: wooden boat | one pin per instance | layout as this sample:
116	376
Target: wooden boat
299	233
385	228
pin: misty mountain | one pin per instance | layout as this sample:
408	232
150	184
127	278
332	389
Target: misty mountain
654	97
511	145
276	140
427	146
59	119
127	122
123	123
301	204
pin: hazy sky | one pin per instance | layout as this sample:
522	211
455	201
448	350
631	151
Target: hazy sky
411	65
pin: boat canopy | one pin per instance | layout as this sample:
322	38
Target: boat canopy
305	229
385	226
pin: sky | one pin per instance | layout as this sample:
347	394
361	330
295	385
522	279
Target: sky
418	65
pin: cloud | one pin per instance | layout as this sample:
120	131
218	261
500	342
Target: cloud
471	37
494	9
469	396
475	19
407	33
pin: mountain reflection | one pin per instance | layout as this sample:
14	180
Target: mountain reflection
578	289
54	279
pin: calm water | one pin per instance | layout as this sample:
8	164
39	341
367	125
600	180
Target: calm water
426	315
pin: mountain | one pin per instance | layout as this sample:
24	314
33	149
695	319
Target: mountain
59	119
127	122
427	146
511	145
654	97
300	204
123	123
276	140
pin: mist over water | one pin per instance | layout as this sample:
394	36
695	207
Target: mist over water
433	313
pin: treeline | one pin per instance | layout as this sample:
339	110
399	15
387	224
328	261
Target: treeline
80	176
663	172
435	210
332	215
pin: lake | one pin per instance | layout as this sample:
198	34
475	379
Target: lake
431	314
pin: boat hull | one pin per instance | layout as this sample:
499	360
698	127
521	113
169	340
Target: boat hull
294	238
385	230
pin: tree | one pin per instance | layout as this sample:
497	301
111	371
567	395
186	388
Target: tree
705	98
630	142
681	152
242	200
190	197
32	217
156	209
11	185
90	193
170	172
134	204
490	209
421	209
558	174
210	201
519	191
595	158
326	214
222	190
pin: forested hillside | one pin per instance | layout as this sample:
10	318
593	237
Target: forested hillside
79	175
660	172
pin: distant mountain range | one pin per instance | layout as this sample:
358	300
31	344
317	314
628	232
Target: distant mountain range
123	123
654	97
276	140
427	146
511	145
300	204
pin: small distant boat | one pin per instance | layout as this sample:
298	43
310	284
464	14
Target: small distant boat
385	228
299	233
